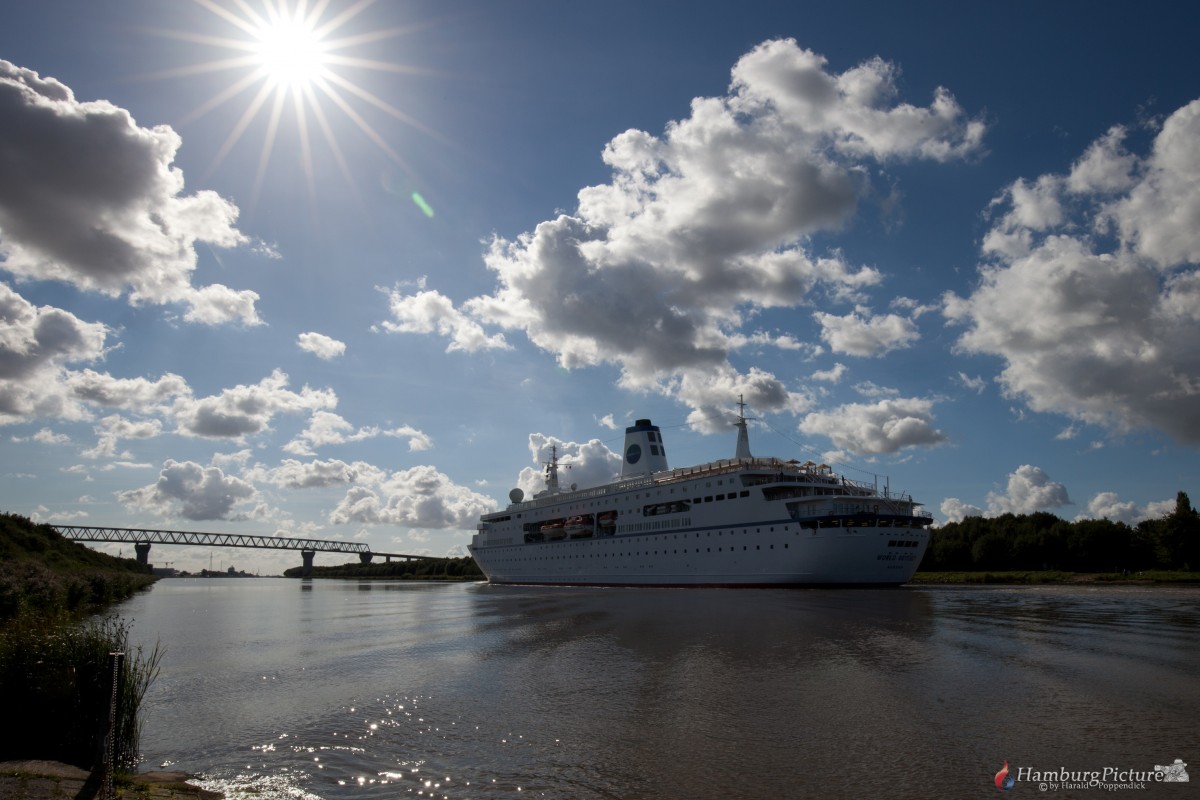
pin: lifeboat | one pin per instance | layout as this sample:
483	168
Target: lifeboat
578	527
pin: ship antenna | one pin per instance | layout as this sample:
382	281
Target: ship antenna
743	440
552	470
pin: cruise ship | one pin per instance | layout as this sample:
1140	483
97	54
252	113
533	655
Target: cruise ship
742	521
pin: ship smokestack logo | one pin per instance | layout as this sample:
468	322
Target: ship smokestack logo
1005	781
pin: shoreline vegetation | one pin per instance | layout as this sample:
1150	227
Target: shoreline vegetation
1054	577
426	569
56	665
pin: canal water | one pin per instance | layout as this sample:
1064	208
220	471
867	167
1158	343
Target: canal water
277	688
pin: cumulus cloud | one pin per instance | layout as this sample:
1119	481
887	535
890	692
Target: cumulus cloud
191	491
326	428
886	426
1029	489
420	497
1109	505
433	312
293	474
659	271
321	346
1091	295
140	395
36	345
113	428
584	464
862	333
246	410
955	510
90	198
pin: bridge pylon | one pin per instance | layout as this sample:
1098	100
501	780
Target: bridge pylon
365	557
143	553
307	555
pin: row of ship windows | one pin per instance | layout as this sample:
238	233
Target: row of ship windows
576	508
639	553
610	542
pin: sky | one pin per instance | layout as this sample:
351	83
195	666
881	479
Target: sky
349	269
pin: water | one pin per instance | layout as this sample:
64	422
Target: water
332	689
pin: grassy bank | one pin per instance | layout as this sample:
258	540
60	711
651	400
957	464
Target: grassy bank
55	645
1024	577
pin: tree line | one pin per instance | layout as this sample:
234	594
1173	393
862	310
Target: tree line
1043	541
425	569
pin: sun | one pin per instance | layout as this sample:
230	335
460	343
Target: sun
294	58
291	51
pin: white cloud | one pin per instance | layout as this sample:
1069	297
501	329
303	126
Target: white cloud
862	333
36	344
292	474
832	375
138	395
587	464
1029	489
886	426
420	497
247	410
976	384
191	491
90	198
322	346
217	304
1104	335
113	428
433	312
659	271
955	510
326	428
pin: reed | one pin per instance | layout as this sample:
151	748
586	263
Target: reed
56	683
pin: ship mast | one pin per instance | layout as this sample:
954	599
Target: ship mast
743	440
552	471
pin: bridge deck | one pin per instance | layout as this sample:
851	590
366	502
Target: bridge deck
85	533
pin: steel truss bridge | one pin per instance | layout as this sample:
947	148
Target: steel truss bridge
142	538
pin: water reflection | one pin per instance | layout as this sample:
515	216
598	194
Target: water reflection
343	690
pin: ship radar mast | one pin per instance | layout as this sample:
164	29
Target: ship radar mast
743	440
552	471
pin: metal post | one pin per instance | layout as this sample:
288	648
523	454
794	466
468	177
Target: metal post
117	660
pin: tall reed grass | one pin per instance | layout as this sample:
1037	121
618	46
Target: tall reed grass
55	686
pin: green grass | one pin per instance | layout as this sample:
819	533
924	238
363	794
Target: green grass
55	664
1021	577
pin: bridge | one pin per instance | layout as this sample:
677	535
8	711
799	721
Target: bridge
142	538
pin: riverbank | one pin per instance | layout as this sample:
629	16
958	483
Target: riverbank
1051	577
53	780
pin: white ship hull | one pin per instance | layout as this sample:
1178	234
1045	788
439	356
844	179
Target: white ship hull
738	557
741	522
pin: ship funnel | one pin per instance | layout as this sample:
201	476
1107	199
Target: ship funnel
644	451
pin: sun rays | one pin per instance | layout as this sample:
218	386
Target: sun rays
295	59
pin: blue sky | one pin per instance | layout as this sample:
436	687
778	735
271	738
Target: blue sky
356	289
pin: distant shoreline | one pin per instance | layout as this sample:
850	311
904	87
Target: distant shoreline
1051	577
